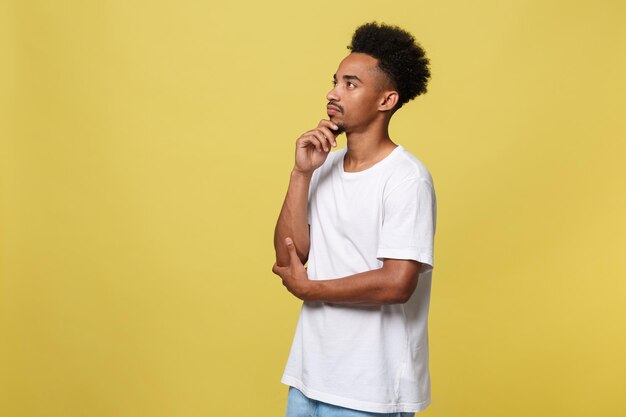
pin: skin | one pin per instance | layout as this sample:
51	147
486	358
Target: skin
361	103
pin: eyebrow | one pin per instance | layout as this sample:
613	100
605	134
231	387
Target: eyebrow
348	77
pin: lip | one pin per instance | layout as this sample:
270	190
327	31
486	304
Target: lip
331	110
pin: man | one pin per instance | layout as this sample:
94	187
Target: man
364	218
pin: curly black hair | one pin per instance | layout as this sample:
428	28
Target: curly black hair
399	56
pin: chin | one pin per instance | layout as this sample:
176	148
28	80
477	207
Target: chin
341	129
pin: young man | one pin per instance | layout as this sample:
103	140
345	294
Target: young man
364	219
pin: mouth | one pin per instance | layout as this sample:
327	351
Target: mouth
332	110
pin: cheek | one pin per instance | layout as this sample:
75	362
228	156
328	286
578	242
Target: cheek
365	105
360	104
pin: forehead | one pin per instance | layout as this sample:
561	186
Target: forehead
361	65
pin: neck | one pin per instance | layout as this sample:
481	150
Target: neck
367	148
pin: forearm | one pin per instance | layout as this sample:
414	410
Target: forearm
293	219
387	285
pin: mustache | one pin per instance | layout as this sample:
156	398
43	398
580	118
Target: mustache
334	104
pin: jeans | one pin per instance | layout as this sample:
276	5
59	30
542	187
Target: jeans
298	405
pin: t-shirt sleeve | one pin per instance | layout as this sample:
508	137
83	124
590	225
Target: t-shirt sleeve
409	219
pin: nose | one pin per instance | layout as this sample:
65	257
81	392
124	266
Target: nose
332	95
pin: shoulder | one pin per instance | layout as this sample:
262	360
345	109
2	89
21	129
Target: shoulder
409	187
407	167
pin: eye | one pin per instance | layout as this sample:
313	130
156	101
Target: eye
350	85
334	82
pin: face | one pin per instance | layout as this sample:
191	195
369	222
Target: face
357	92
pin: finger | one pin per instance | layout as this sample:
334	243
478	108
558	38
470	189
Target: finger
311	139
291	248
328	124
324	140
280	271
330	135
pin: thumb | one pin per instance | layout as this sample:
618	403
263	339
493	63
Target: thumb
293	255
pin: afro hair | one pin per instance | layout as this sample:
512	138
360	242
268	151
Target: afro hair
399	56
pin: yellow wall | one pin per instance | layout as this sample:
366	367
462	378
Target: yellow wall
145	152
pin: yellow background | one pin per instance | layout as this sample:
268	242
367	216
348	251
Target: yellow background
146	147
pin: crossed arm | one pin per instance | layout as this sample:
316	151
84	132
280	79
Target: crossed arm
394	283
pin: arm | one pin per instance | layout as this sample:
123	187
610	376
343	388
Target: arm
312	149
292	220
409	224
394	283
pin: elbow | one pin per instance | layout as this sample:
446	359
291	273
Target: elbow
401	297
404	298
403	290
304	256
394	298
282	255
401	277
395	295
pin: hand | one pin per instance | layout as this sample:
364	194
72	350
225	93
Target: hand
313	147
294	275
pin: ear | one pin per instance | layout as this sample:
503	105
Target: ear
388	100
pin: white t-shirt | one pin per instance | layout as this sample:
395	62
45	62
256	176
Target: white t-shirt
367	358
